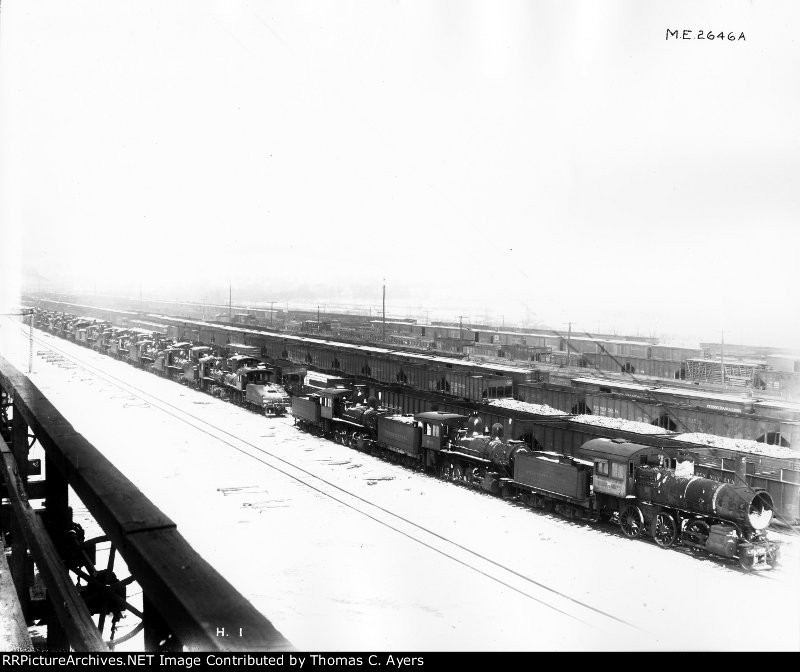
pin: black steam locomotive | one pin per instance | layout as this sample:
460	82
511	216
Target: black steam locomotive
648	492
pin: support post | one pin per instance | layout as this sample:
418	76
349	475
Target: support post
19	550
57	518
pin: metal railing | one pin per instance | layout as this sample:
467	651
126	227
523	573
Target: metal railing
185	602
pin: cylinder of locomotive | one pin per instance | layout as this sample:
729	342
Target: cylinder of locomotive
735	503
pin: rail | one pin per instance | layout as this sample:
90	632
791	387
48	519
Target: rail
185	602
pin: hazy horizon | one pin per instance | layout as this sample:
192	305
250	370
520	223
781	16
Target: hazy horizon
549	162
425	313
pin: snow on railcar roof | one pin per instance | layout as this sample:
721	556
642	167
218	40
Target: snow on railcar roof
608	340
610	383
552	456
676	391
742	445
405	419
525	407
702	394
620	423
779	403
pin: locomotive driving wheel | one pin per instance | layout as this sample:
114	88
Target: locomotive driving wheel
665	531
631	521
696	532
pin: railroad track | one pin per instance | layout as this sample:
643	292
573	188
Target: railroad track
503	575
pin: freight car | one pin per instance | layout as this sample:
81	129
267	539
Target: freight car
648	492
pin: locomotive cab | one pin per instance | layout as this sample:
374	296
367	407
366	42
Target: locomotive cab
438	429
615	462
236	362
332	402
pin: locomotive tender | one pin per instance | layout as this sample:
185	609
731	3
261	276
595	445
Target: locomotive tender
649	493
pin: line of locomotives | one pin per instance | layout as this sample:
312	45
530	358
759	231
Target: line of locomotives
234	376
648	492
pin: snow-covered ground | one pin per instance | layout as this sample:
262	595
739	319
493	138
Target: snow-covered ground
342	551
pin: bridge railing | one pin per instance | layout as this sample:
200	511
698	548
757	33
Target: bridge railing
185	602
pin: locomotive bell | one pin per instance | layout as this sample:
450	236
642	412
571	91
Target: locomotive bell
497	430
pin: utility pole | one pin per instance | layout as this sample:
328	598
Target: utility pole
569	339
460	327
271	304
230	300
722	356
384	309
319	326
30	342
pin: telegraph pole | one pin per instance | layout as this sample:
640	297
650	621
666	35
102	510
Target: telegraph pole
722	356
569	338
271	303
30	342
384	309
230	300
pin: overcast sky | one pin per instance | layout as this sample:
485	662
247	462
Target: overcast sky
554	161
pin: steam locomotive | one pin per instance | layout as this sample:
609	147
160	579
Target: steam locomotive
648	492
246	381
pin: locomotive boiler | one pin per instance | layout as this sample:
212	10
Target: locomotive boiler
722	518
482	459
738	504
